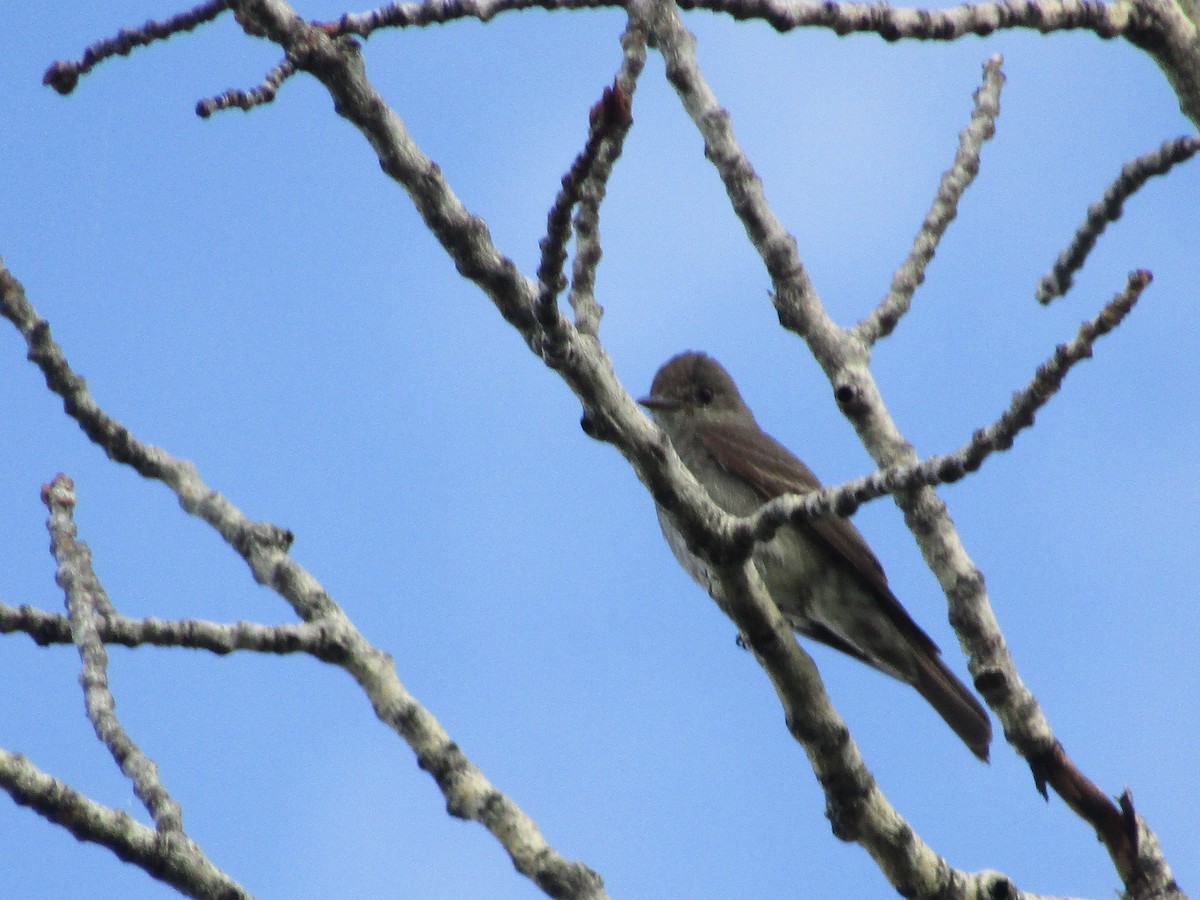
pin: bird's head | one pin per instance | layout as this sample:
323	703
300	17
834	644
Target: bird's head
694	385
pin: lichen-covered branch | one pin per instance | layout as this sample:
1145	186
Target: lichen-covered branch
857	808
582	295
86	602
247	100
894	23
1169	31
45	628
955	181
845	499
168	856
610	121
854	804
1132	177
843	356
264	548
63	76
437	12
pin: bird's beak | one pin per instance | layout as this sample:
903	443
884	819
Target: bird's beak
656	404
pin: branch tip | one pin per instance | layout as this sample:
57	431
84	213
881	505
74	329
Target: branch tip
1132	177
64	75
583	186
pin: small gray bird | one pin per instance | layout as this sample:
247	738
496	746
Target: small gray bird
822	575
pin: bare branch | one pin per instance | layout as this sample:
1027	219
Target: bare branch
843	359
254	541
1169	30
845	499
995	675
1133	175
63	75
955	181
45	628
85	598
247	100
436	12
611	118
1000	685
1138	862
794	296
1160	27
896	23
338	64
591	194
168	856
264	547
854	805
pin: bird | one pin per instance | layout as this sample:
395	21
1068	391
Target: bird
822	575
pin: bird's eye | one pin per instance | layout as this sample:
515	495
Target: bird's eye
704	394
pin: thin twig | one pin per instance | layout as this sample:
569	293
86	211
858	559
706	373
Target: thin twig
582	296
78	580
955	181
1163	28
247	100
1120	834
264	547
845	499
862	813
63	75
437	12
168	856
796	301
338	64
894	23
47	628
1133	175
609	122
467	241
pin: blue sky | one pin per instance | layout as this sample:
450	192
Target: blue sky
251	293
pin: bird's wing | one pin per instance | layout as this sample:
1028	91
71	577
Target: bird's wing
773	471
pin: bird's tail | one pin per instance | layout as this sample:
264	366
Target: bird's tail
954	702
